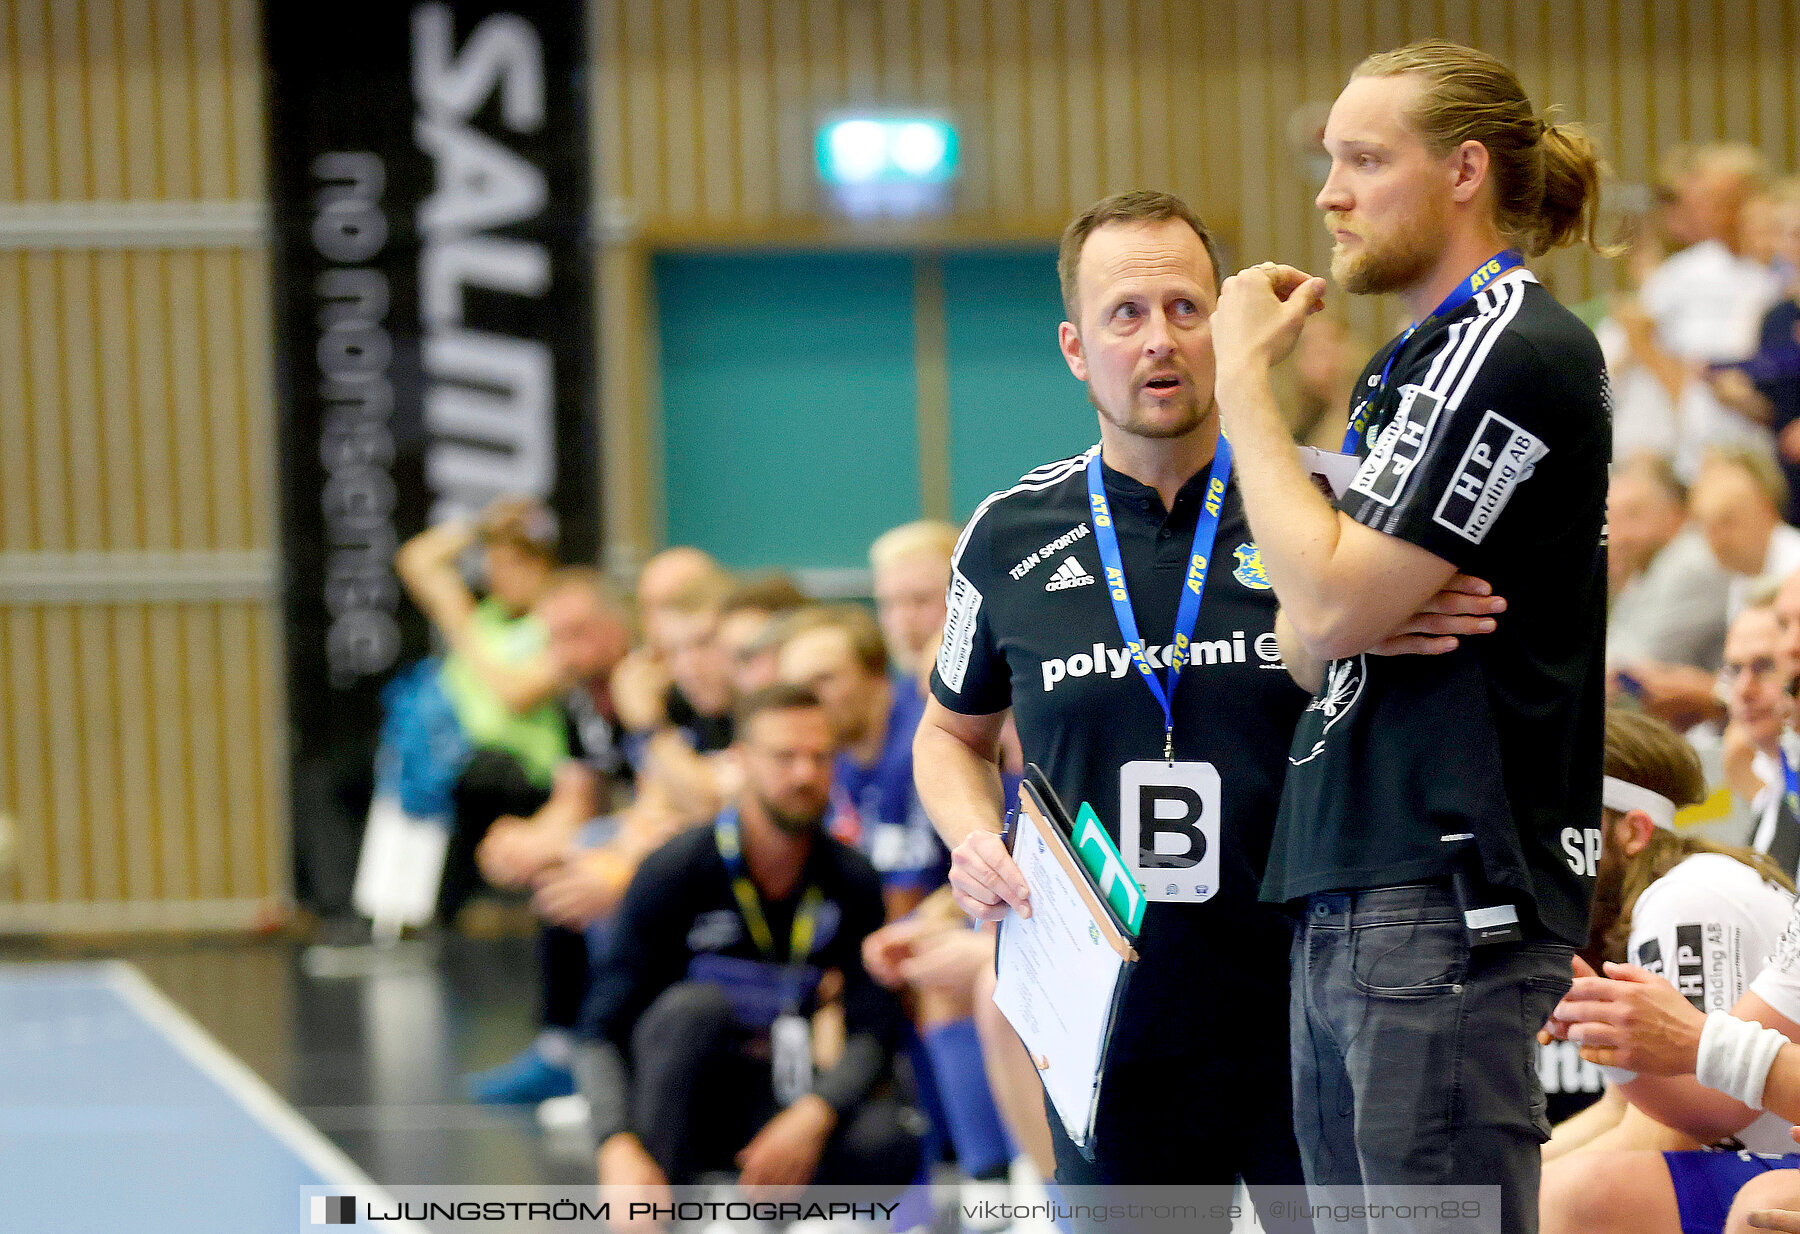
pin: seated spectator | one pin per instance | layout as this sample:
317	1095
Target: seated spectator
642	684
965	1057
588	636
669	574
838	654
1644	378
1668	592
938	962
1772	375
746	629
679	714
1666	622
1760	746
698	1055
498	677
911	565
1328	359
1699	912
1707	300
1736	502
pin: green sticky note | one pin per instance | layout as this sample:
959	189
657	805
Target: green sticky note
1101	857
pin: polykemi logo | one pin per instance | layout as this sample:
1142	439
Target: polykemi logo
1069	574
1115	662
334	1210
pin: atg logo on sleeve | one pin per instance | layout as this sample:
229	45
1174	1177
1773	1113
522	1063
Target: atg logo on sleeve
1500	457
334	1210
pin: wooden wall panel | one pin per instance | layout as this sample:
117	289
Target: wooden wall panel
140	742
1060	101
130	100
133	389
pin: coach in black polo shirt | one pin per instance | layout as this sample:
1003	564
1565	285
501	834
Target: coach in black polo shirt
1486	450
1031	626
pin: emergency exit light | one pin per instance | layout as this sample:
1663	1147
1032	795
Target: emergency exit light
888	150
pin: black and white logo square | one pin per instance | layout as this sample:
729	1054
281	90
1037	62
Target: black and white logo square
1500	457
1169	828
1384	474
334	1210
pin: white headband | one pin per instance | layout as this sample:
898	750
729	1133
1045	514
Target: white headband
1622	795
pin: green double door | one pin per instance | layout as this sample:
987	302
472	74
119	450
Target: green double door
793	397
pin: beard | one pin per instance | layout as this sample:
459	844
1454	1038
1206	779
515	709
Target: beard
1142	422
797	817
1403	260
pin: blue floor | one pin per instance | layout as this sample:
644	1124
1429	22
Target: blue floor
119	1115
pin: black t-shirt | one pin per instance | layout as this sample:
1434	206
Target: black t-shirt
595	738
1031	627
707	734
1488	447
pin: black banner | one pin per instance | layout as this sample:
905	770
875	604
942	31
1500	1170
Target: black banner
434	338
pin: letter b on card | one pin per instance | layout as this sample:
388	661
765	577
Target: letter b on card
1169	828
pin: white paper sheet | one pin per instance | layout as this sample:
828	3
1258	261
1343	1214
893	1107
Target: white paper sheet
1058	971
1330	469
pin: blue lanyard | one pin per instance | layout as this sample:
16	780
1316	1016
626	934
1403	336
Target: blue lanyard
731	851
1187	614
1790	777
1464	291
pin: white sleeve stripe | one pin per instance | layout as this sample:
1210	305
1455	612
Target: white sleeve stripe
1507	313
1448	351
1495	304
1035	480
1454	367
1465	349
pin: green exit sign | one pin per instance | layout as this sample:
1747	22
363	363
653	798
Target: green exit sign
887	150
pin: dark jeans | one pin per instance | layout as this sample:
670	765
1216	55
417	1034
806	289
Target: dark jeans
493	784
698	1096
1412	1051
565	971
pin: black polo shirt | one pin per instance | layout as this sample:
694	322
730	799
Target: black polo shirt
1488	446
1031	627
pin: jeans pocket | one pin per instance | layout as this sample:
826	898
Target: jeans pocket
1538	995
1409	959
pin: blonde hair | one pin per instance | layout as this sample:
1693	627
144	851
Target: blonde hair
1648	753
926	535
856	623
1545	176
1755	462
1739	160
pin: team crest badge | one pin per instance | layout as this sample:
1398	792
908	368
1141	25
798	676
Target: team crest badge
1250	570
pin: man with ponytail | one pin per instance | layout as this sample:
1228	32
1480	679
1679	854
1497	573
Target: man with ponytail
1437	831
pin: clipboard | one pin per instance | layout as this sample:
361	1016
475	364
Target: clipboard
1076	1098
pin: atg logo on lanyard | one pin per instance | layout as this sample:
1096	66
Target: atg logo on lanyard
1465	291
1187	614
1169	812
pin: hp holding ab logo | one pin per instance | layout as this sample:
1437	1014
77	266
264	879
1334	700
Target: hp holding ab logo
334	1210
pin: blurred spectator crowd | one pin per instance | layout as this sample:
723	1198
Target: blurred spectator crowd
615	751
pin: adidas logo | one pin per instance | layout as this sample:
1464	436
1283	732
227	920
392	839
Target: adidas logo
1069	574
